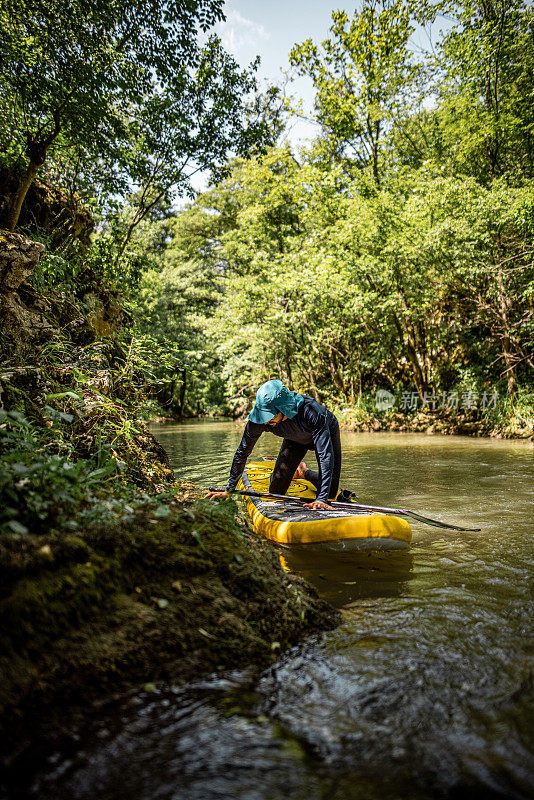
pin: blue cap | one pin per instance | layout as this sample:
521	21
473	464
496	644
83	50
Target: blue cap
273	397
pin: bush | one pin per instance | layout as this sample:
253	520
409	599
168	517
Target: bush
40	490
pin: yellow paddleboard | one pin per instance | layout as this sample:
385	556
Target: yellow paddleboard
336	529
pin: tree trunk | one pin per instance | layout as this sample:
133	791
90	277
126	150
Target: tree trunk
36	150
289	373
181	399
336	379
411	354
309	374
22	191
139	216
510	358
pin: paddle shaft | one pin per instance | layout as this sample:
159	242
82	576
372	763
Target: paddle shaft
398	512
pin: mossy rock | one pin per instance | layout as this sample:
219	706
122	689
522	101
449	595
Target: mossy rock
156	599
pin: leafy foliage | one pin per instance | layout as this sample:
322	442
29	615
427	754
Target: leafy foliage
394	252
40	489
485	89
126	90
363	76
341	292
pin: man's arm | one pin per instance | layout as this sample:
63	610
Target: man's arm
251	435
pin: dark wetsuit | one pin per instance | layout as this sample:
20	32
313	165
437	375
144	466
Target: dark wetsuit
313	428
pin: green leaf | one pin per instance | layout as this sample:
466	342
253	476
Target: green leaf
17	527
19	468
196	536
61	395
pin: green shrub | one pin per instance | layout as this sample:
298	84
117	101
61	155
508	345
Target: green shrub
40	490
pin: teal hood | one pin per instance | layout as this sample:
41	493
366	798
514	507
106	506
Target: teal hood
273	397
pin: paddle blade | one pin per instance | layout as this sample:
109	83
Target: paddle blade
437	524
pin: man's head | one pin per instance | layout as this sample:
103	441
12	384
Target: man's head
279	417
274	401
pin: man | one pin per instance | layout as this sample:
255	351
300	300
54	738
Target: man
303	424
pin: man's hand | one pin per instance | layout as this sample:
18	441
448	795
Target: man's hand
317	504
217	495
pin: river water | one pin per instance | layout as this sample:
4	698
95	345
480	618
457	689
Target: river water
425	691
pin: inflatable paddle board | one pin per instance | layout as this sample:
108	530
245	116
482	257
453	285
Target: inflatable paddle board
287	523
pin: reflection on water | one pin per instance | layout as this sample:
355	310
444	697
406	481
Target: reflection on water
425	691
342	578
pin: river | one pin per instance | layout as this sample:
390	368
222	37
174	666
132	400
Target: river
425	691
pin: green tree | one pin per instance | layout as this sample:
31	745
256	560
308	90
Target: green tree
363	76
341	291
486	91
124	84
173	301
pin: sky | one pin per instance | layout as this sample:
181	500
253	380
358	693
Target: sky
270	29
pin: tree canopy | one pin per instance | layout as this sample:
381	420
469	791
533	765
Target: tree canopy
394	251
123	87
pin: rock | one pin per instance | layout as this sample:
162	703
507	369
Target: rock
106	315
19	325
57	211
18	259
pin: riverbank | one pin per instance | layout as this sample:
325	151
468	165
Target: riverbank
113	574
512	424
176	588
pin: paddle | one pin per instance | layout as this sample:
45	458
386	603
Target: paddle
398	512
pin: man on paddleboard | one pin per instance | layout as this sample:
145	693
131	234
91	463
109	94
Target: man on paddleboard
303	424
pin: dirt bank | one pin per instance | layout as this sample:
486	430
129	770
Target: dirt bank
457	423
109	608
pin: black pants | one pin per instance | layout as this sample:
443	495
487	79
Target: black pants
292	453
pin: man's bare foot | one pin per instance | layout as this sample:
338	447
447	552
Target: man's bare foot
300	471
